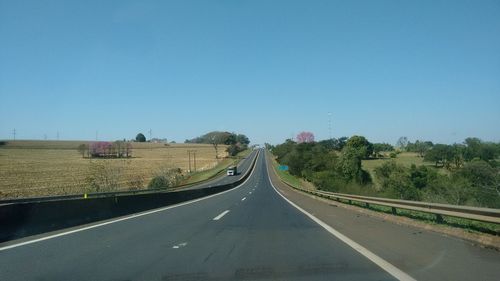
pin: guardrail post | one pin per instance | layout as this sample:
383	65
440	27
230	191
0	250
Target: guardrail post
394	211
439	218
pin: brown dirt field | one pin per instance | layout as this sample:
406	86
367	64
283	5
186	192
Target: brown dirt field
42	168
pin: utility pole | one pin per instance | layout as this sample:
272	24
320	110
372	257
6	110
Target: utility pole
57	135
150	134
14	133
194	159
96	135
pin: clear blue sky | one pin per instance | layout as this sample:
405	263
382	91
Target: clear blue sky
269	69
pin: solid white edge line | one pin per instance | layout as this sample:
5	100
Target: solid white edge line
385	265
127	217
243	199
220	215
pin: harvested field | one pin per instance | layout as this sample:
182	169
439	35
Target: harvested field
40	168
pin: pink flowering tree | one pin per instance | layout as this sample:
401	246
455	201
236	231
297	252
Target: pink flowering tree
305	137
100	149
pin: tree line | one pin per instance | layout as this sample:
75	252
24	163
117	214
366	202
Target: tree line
106	149
466	173
236	142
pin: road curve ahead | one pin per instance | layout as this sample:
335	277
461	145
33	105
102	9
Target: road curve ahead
247	233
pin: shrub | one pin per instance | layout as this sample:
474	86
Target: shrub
166	178
159	182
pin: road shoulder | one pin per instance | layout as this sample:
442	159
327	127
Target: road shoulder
419	251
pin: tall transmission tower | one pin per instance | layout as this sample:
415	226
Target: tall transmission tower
330	125
14	133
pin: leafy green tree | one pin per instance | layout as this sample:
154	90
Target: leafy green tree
402	143
334	144
439	154
361	144
350	164
488	151
421	147
396	181
473	147
140	137
281	150
230	139
480	174
379	147
82	149
242	139
421	176
340	143
233	149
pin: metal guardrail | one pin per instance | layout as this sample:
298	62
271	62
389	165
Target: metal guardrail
472	213
439	210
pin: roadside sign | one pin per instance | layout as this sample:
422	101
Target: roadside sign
283	168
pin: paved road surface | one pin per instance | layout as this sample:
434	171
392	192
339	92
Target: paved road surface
244	234
243	166
248	233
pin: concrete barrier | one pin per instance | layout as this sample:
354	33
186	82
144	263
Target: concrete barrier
23	219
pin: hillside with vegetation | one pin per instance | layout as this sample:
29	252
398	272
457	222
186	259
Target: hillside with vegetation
467	173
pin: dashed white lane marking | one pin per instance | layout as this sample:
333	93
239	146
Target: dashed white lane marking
124	218
250	192
221	215
243	199
183	244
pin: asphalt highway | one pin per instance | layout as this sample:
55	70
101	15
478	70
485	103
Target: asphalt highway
243	166
247	233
